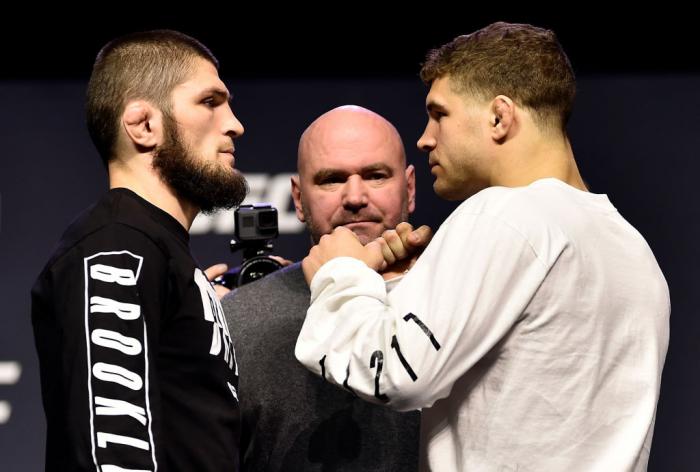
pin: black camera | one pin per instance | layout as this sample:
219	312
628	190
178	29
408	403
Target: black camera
256	226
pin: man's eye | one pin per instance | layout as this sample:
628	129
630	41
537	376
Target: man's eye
376	176
331	180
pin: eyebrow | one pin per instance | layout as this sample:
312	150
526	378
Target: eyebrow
432	105
218	92
324	174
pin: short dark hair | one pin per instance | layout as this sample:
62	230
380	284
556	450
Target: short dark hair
145	65
523	62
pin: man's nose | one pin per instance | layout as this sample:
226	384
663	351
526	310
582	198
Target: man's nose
355	193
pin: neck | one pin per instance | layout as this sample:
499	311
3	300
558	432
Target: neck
525	161
137	174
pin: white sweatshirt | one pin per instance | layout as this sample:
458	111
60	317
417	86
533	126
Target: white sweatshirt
532	332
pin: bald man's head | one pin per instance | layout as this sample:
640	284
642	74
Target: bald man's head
352	172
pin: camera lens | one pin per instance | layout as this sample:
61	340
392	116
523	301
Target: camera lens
268	219
257	268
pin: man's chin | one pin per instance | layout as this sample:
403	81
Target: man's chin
366	231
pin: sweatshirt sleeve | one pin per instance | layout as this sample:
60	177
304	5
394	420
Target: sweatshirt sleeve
407	348
96	314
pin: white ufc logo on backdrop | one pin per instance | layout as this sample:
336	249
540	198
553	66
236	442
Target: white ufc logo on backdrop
9	375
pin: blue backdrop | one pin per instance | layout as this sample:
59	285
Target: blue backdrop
635	139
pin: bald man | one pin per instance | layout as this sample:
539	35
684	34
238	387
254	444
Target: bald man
352	173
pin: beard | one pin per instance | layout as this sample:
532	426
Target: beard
207	184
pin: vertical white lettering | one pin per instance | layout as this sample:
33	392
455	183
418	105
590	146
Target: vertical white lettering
112	407
125	311
104	438
113	340
116	374
111	274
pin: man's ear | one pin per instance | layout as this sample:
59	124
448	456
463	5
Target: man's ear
296	196
142	124
411	187
502	117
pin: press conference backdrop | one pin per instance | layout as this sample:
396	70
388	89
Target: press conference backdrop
635	138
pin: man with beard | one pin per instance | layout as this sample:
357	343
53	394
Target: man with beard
352	173
138	371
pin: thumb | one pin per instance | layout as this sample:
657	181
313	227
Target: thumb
421	236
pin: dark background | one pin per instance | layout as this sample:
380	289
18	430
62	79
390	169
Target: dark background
634	132
358	39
